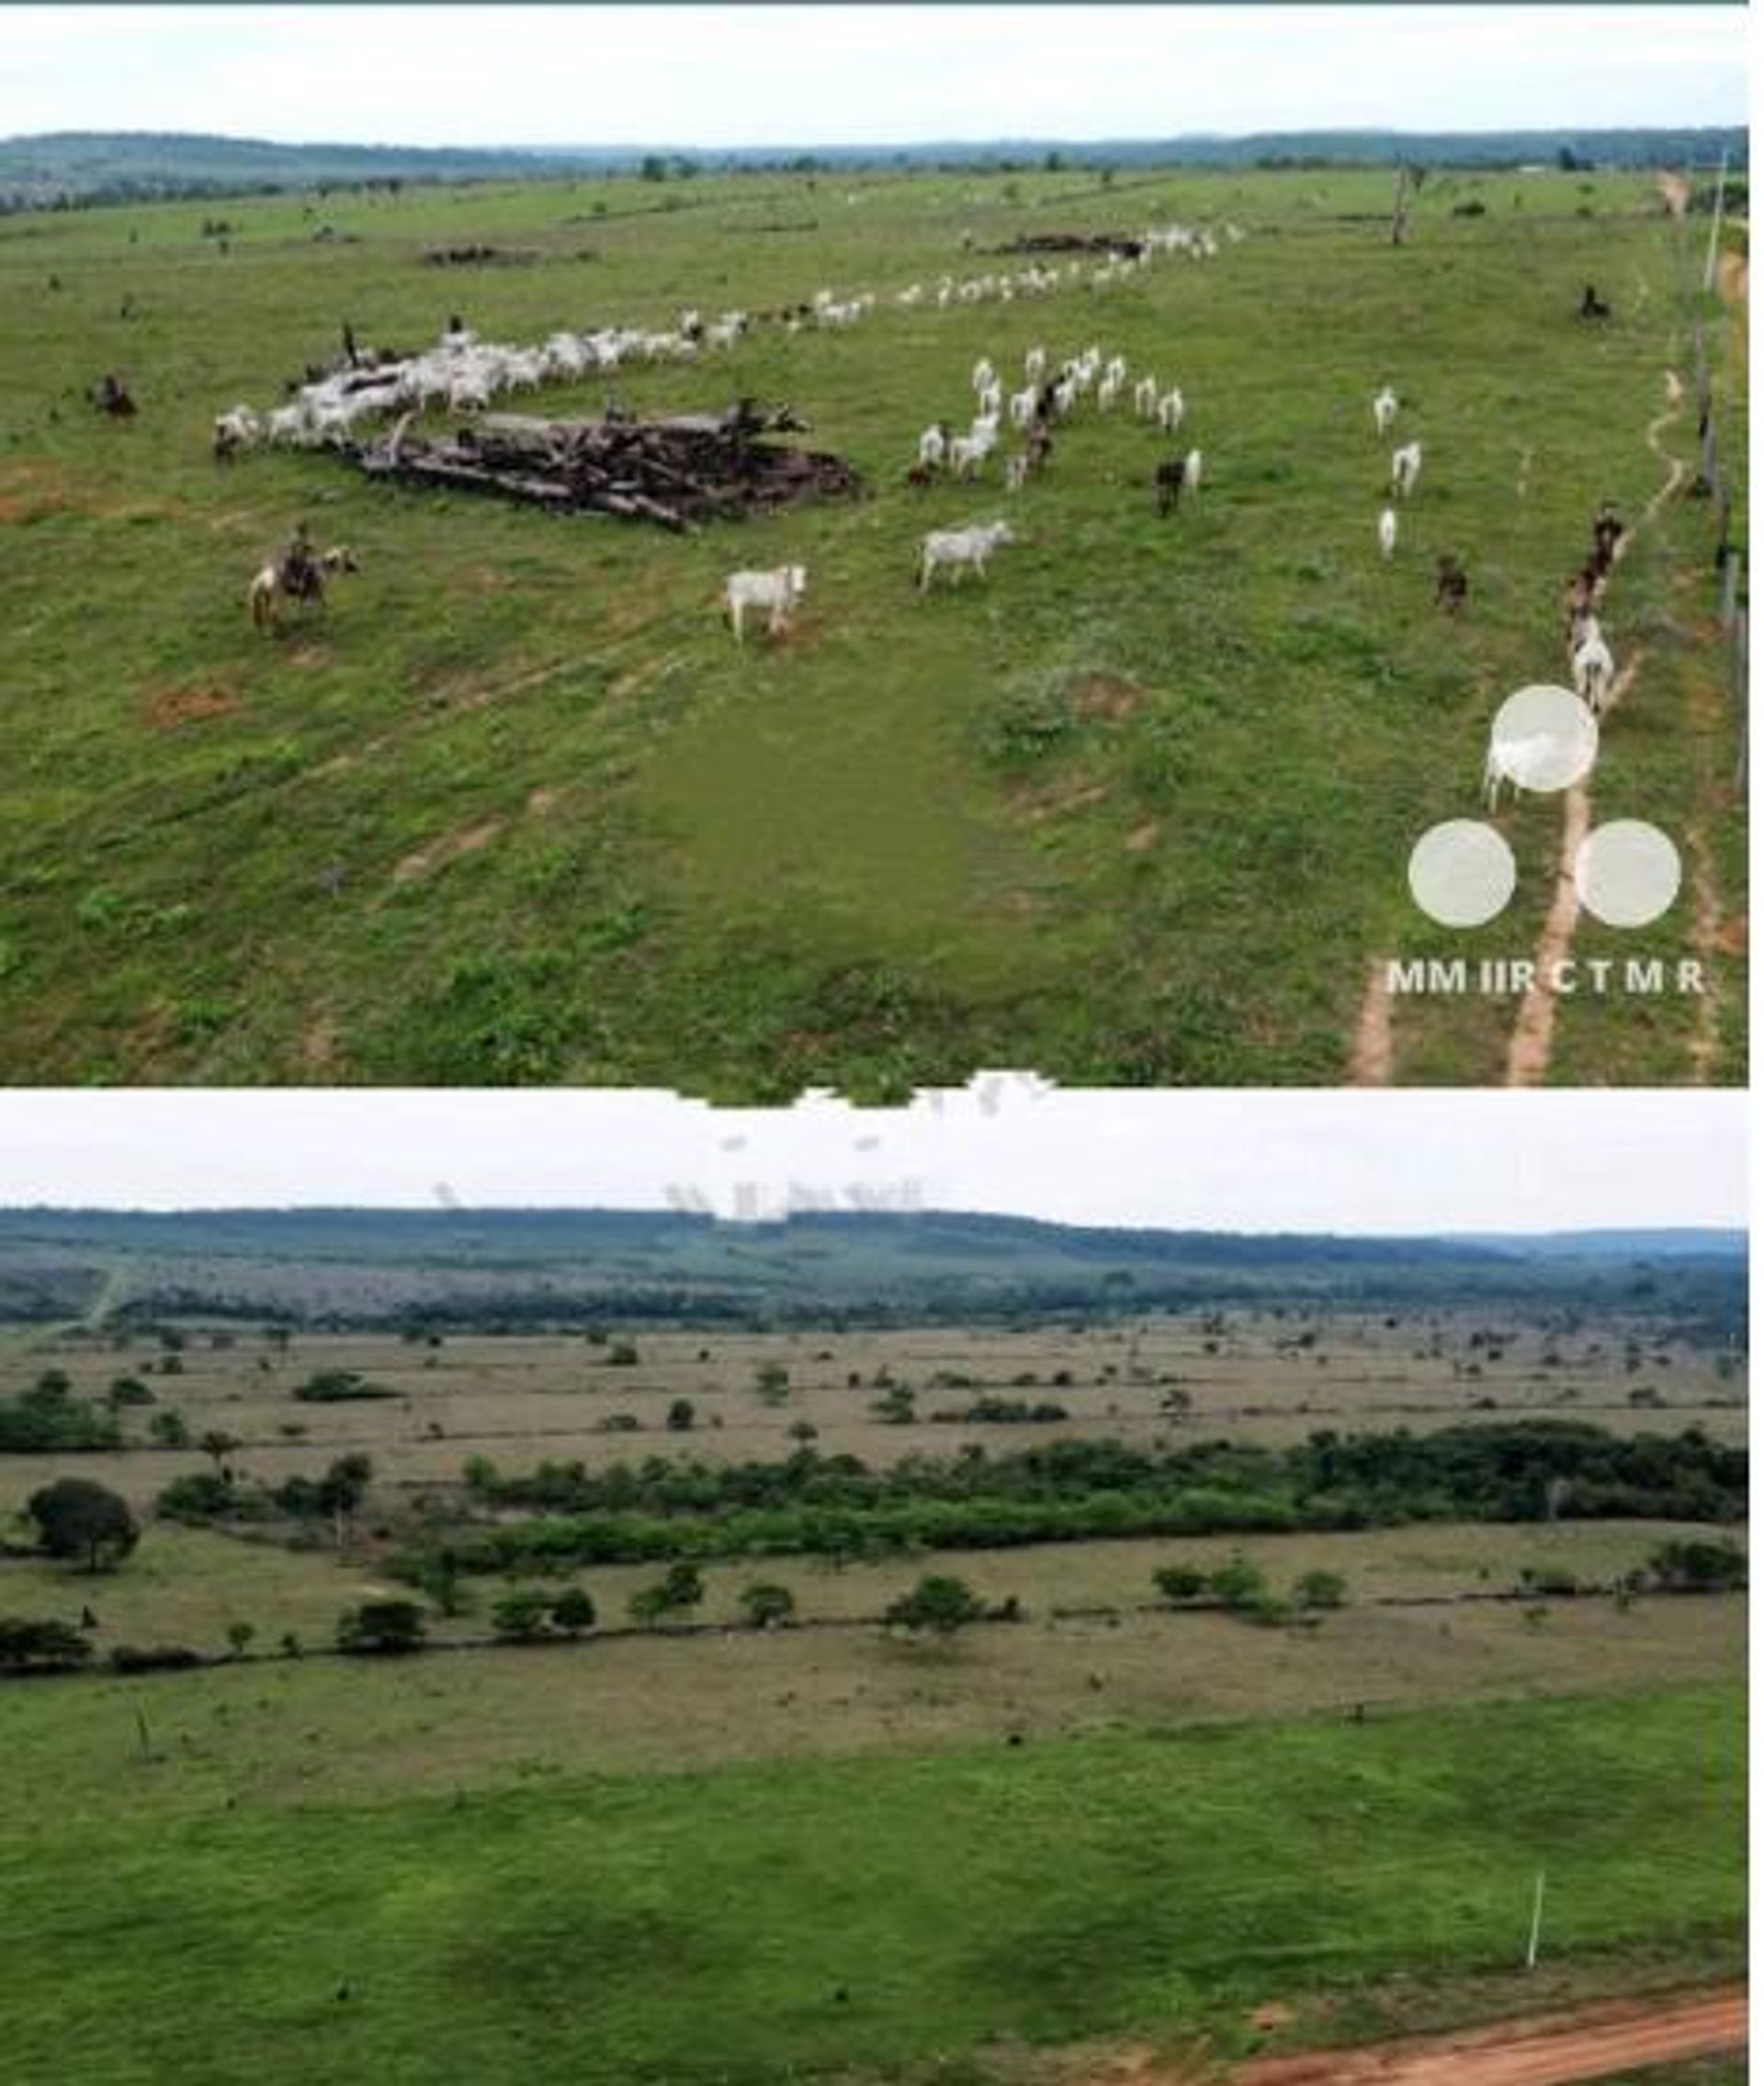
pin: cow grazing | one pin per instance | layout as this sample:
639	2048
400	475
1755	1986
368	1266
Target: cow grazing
1383	410
1405	468
957	550
776	592
1387	532
1451	584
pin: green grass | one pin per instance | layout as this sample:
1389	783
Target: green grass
700	1928
843	861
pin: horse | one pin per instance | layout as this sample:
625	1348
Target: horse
297	575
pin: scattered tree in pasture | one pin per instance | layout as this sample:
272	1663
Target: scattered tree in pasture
130	1390
79	1520
939	1606
1691	1564
1238	1583
521	1617
681	1416
217	1444
239	1638
169	1429
772	1383
682	1589
621	1355
381	1628
574	1611
767	1605
45	1647
1180	1583
1314	1590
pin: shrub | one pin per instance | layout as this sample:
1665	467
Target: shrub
574	1611
1180	1583
1692	1565
47	1647
767	1605
521	1617
335	1387
1316	1590
940	1605
155	1658
381	1628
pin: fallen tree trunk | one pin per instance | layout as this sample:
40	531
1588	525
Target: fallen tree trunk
679	472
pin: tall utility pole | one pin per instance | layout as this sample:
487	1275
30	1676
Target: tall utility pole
1715	228
1537	1923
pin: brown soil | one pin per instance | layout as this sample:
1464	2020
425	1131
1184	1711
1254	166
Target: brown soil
1373	1053
1591	2042
1104	696
172	707
448	849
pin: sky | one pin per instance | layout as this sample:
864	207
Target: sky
769	76
1391	1162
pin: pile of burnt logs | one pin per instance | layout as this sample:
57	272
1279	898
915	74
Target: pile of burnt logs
1076	243
679	472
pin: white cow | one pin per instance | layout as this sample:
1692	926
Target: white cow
776	592
1594	668
1383	410
1387	531
961	549
1169	411
1405	468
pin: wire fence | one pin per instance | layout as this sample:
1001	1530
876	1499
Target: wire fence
1713	482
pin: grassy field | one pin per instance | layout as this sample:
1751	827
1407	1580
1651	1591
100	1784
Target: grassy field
849	1919
707	1855
1138	811
1249	1374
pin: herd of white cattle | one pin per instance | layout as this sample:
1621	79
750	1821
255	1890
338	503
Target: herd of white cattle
463	374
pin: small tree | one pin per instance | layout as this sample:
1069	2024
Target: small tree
1180	1583
239	1637
768	1606
521	1617
683	1588
1239	1584
681	1416
217	1444
1313	1590
772	1383
574	1611
381	1628
28	1646
169	1430
940	1605
78	1519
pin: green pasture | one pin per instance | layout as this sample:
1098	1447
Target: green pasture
866	1918
1137	809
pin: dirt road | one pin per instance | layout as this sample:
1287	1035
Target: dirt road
1593	2042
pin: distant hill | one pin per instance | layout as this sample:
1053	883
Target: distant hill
86	166
515	1267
